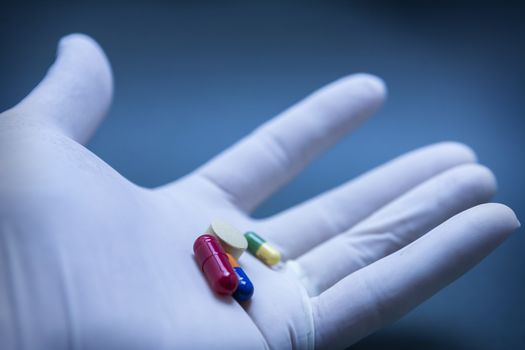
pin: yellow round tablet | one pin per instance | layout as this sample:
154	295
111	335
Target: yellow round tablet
232	240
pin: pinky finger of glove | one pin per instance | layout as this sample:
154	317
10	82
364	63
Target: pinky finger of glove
387	289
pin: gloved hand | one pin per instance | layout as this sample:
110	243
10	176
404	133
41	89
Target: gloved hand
89	260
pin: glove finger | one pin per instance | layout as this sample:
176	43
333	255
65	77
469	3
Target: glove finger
387	289
303	227
258	165
396	225
76	92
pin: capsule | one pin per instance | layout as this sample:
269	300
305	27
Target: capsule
261	249
231	239
215	265
245	288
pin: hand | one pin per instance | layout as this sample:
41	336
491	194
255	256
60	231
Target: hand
89	260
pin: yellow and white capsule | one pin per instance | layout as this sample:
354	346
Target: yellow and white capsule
261	249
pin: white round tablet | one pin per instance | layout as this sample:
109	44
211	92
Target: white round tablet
232	240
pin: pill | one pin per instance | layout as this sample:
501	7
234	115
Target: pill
232	240
214	263
245	288
261	249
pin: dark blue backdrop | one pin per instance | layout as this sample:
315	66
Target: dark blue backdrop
192	79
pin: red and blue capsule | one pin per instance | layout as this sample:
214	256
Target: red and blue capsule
245	288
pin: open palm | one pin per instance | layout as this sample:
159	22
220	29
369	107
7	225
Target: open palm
91	260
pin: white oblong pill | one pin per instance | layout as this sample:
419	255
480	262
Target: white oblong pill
231	239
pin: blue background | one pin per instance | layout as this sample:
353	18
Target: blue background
192	79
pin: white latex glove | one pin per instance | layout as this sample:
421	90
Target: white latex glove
89	260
